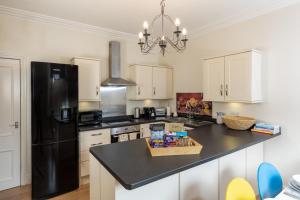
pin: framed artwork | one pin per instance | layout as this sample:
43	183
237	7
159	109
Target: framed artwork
193	102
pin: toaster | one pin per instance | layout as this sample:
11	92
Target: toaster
161	112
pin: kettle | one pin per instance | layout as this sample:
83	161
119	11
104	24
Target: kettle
137	112
220	117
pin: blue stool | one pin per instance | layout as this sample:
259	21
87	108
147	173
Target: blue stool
269	181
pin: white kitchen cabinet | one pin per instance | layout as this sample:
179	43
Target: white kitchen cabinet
213	79
142	76
162	83
152	82
243	77
201	182
233	78
89	139
230	167
88	78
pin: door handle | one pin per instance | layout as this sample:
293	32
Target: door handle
226	89
15	125
97	144
154	92
97	90
139	91
96	134
221	90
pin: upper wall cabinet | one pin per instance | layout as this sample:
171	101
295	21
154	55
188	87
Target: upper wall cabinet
151	82
88	78
162	83
233	78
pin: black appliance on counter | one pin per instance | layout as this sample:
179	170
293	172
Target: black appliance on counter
54	121
149	112
90	118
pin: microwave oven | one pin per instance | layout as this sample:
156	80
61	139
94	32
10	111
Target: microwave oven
93	117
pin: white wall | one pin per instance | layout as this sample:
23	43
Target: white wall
34	40
278	36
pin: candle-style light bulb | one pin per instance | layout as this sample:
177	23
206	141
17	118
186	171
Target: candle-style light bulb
163	38
145	25
177	22
184	32
141	35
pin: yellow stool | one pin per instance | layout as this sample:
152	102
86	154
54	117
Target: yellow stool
240	189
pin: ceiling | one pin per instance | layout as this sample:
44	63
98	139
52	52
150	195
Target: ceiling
128	15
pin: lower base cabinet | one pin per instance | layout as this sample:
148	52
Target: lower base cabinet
89	139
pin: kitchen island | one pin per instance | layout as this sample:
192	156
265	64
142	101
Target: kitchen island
127	171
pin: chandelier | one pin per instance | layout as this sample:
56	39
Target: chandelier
178	39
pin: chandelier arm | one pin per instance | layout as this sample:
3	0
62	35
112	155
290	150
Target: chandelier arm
150	47
177	36
173	45
153	21
176	41
170	19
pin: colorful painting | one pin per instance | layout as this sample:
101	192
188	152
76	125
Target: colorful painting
193	103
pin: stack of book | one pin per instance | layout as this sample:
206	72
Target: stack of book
266	128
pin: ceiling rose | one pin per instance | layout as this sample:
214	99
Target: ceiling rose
177	40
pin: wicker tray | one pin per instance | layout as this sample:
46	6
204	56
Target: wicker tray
238	122
171	151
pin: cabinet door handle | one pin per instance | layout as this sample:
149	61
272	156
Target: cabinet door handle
96	134
226	89
139	91
97	144
154	90
221	90
14	125
97	90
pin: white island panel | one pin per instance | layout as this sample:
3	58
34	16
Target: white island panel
254	159
200	183
231	166
166	188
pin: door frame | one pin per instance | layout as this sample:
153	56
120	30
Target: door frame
25	155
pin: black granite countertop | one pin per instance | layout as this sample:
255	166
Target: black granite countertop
133	166
192	123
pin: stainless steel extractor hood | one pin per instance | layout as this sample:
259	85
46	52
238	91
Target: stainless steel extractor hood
115	67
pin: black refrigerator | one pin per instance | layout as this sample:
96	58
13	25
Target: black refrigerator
54	136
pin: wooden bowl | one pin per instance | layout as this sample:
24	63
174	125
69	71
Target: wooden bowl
238	122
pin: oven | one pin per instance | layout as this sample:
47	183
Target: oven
125	133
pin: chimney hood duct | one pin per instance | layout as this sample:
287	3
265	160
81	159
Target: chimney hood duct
115	67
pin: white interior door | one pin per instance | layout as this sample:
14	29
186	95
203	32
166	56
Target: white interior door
9	123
